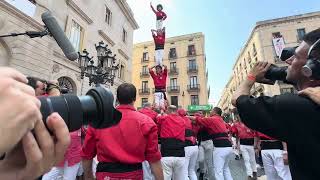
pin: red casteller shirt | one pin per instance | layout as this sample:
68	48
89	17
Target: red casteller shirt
149	112
159	39
160	14
133	140
73	153
242	131
172	126
159	80
188	125
213	125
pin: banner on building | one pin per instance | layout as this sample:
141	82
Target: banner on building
194	108
279	45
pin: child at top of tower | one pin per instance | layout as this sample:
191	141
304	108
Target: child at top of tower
161	16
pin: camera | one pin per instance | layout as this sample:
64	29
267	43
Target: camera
275	73
95	108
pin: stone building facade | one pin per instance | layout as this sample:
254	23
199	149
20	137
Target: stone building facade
85	23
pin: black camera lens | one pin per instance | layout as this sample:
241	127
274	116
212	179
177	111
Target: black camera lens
287	53
276	73
96	109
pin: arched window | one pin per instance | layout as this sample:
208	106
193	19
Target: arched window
66	83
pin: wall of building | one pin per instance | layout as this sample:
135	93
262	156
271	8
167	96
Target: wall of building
43	58
181	44
261	37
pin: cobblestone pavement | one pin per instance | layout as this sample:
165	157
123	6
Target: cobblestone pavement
238	170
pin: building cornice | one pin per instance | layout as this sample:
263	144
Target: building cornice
106	37
64	59
78	10
261	24
127	12
288	19
22	16
123	54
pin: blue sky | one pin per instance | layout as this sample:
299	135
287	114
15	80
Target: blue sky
225	23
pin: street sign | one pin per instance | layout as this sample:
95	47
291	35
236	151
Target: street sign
193	108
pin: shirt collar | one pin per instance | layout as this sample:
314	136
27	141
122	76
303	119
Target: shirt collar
126	106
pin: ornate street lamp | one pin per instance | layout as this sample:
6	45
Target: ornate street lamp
106	69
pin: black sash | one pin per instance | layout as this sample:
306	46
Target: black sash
271	145
171	147
248	141
224	142
113	167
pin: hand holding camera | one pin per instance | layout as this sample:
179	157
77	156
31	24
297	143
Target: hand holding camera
19	110
27	155
258	73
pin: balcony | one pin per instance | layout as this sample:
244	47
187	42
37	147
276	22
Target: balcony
191	53
144	60
173	89
144	74
193	69
173	71
194	88
144	91
172	56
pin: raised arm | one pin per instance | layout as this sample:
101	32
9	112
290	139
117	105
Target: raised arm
152	8
150	68
165	67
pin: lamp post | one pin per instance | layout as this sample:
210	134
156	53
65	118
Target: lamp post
106	69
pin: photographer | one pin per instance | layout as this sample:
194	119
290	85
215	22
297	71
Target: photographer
27	155
42	87
282	116
38	85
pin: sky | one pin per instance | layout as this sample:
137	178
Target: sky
226	25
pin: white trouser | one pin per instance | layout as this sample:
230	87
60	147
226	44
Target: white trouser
205	158
159	56
234	146
80	170
249	158
147	174
173	168
191	161
62	173
94	166
159	24
159	99
274	166
221	158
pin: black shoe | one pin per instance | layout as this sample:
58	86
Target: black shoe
201	176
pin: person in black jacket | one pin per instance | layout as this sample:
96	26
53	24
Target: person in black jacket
291	118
